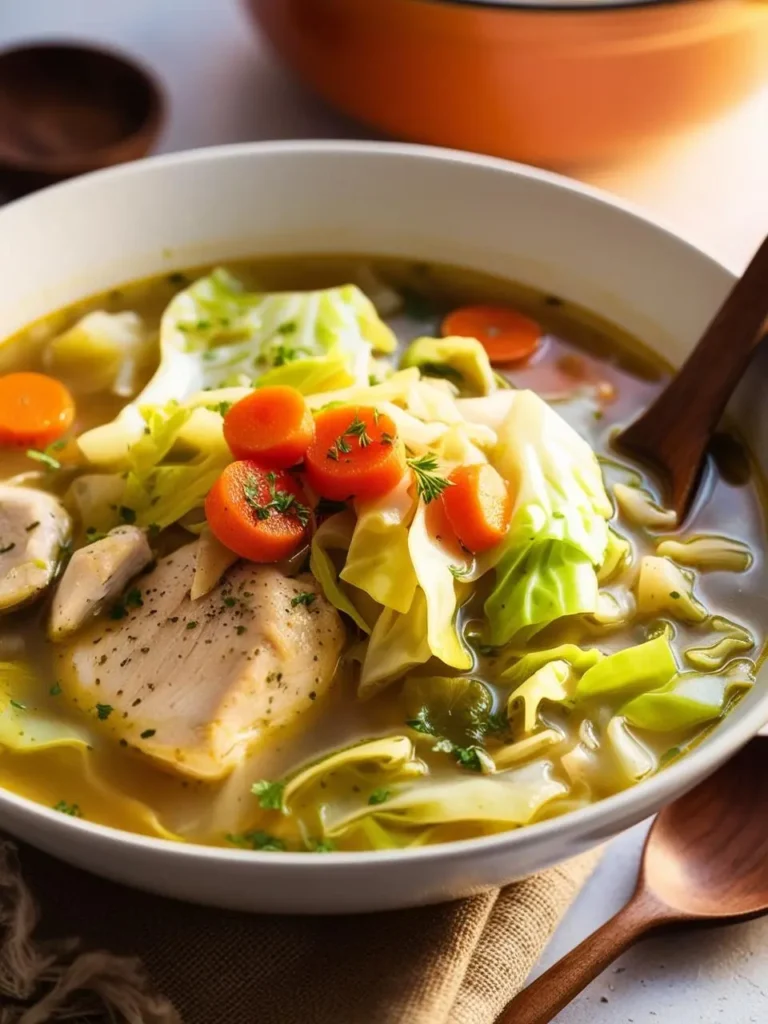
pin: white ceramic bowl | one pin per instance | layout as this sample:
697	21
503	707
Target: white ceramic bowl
146	218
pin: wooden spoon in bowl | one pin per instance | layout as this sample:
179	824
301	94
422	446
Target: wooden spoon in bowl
673	433
705	861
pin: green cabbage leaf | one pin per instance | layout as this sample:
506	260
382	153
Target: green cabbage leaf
214	334
546	566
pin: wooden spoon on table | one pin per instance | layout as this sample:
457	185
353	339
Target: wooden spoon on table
705	861
673	433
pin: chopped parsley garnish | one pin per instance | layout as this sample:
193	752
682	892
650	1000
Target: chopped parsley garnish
307	598
147	734
47	460
133	598
103	711
270	794
356	429
473	757
222	408
18	705
72	809
320	846
429	482
378	796
280	502
287	353
256	840
230	602
191	625
289	327
128	515
7	547
674	595
669	755
359	430
55	690
497	722
421	723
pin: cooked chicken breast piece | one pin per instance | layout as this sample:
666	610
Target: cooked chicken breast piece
195	684
96	575
34	526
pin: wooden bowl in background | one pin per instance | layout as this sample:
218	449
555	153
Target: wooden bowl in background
67	109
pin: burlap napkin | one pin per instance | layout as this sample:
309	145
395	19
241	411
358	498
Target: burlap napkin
169	962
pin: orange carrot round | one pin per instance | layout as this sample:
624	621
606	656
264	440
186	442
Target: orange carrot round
273	425
506	335
478	506
258	513
34	409
356	453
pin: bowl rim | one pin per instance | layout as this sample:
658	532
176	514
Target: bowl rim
681	775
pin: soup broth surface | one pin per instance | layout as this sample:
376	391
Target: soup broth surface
596	379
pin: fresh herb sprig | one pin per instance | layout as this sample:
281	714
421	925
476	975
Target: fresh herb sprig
429	480
280	502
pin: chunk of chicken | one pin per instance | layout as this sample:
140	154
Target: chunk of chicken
34	526
196	683
96	575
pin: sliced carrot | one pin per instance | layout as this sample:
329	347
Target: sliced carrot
506	335
258	513
272	425
34	409
478	506
356	453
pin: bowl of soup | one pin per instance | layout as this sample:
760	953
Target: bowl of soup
323	586
556	83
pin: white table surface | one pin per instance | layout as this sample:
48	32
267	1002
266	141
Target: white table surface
224	86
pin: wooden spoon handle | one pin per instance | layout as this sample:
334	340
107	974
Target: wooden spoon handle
681	420
545	997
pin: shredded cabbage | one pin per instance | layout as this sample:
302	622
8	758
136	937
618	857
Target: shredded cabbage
214	334
708	553
547	683
639	508
432	561
643	667
28	729
663	588
378	560
335	534
398	643
102	351
546	566
462	361
507	798
579	659
688	700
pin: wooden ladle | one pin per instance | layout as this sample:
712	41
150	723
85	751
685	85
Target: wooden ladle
673	433
705	861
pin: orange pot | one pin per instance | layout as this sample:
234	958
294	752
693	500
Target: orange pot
548	83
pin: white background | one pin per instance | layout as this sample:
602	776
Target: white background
224	86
